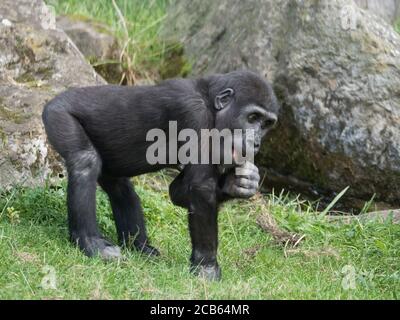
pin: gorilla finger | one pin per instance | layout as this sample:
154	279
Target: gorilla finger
245	193
241	172
254	170
250	166
247	183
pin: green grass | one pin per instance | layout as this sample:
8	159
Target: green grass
33	236
145	50
397	26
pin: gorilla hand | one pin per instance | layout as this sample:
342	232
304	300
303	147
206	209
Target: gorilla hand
242	182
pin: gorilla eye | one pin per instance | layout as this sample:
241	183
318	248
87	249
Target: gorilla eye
254	117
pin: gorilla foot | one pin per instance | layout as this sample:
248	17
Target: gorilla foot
147	250
97	246
111	253
207	272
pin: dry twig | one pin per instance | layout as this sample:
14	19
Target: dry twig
267	222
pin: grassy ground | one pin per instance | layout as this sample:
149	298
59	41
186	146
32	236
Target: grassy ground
335	261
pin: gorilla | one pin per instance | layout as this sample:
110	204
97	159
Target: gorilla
101	134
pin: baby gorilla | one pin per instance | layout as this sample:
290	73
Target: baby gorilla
100	132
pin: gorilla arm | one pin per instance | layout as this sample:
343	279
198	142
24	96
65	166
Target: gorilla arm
239	182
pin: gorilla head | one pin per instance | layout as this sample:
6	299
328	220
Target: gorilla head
243	100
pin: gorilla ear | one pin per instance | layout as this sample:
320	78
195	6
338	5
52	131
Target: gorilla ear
223	99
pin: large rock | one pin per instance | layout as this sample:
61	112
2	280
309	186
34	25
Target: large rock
387	9
97	43
92	38
33	12
336	69
37	61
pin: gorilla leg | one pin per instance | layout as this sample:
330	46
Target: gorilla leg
201	183
83	166
128	213
203	226
83	169
195	189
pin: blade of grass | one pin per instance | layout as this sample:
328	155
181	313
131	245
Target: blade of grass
334	201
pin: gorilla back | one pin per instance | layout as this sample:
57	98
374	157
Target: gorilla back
116	119
101	131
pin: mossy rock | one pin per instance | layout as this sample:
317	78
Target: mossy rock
175	63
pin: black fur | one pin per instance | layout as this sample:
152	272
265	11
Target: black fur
101	134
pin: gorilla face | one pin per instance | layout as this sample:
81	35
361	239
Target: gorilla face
246	102
257	121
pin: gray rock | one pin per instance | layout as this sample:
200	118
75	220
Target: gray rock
36	63
96	42
336	69
92	38
385	216
28	11
387	9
